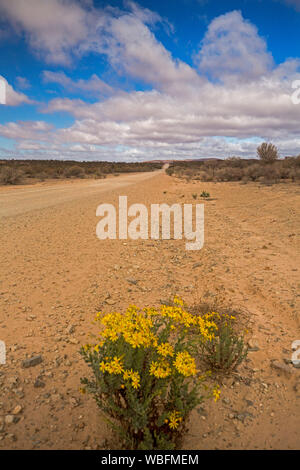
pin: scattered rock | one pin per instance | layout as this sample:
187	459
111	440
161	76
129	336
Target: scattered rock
10	419
17	409
130	280
197	265
70	329
73	340
253	345
39	383
32	361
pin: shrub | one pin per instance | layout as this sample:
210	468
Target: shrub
74	171
227	349
9	175
204	194
145	378
254	171
268	153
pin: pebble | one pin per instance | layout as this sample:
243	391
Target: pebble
17	409
32	361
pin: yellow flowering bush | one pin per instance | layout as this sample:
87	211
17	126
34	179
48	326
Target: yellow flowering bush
145	376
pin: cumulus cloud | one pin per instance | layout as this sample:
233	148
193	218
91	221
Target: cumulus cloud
53	28
14	98
23	83
235	97
27	130
93	85
133	48
232	48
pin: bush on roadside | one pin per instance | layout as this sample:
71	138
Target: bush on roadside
74	171
145	377
10	175
267	152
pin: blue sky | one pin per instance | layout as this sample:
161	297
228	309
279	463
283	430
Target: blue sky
123	80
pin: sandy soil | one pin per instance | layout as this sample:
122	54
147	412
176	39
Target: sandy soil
55	274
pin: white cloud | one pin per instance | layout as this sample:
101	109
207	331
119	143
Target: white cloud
186	114
27	130
232	48
93	85
23	83
14	98
53	28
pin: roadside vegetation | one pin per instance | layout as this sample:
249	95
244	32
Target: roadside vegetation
152	367
30	171
267	168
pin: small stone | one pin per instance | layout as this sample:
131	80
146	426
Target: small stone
9	419
197	265
253	345
32	361
130	280
39	383
17	409
226	401
70	329
74	402
297	387
73	341
296	364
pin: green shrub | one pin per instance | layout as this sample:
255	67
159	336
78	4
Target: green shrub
74	171
145	378
267	152
10	175
227	349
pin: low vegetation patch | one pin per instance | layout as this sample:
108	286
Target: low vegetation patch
17	171
146	374
267	169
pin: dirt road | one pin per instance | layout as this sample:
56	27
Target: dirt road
19	200
56	274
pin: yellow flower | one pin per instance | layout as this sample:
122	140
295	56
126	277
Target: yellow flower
133	376
216	393
174	419
160	370
112	367
165	349
135	380
177	300
185	364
